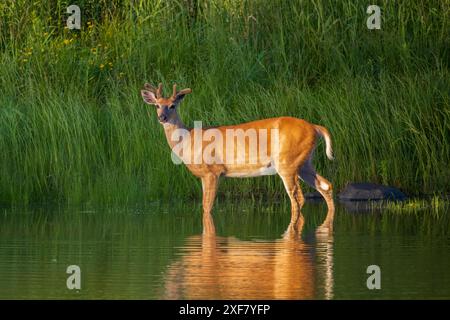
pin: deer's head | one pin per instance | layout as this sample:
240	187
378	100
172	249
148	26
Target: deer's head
166	108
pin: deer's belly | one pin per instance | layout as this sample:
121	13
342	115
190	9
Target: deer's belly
253	172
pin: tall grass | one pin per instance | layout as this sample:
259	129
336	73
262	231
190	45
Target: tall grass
73	127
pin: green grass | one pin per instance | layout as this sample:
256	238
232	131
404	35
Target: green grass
434	205
73	127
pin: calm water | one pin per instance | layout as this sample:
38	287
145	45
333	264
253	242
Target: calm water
159	252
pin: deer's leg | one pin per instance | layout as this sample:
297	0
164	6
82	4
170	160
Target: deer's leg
209	186
322	185
209	230
294	192
300	197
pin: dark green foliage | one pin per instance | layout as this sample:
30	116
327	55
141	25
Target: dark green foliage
74	128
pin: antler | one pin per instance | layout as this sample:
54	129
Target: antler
156	91
159	91
176	93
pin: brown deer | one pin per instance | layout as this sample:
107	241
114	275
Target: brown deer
288	153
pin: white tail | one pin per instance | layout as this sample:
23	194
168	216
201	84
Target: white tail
323	132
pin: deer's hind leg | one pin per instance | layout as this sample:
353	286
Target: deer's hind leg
308	174
300	196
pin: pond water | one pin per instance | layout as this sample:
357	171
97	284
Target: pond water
160	252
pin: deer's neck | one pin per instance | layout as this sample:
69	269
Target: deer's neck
170	130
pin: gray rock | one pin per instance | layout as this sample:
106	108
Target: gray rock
362	206
370	191
313	195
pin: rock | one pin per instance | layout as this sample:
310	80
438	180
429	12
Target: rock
370	191
313	196
361	206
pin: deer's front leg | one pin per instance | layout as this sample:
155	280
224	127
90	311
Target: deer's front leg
209	186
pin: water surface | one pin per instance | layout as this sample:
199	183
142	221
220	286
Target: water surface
161	252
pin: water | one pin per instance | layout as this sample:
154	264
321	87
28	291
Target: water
160	252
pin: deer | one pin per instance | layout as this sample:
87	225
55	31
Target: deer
290	155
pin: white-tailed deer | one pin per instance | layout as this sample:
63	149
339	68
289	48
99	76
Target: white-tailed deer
288	153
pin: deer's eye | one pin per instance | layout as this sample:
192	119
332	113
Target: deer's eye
172	106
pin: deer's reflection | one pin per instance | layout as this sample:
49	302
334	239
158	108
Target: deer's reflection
213	267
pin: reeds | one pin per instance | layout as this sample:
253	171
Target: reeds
73	127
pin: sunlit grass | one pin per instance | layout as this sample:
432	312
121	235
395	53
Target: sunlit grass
436	205
73	127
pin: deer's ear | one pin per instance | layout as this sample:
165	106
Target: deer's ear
148	96
178	99
180	96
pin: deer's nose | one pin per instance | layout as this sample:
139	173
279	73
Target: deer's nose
162	118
